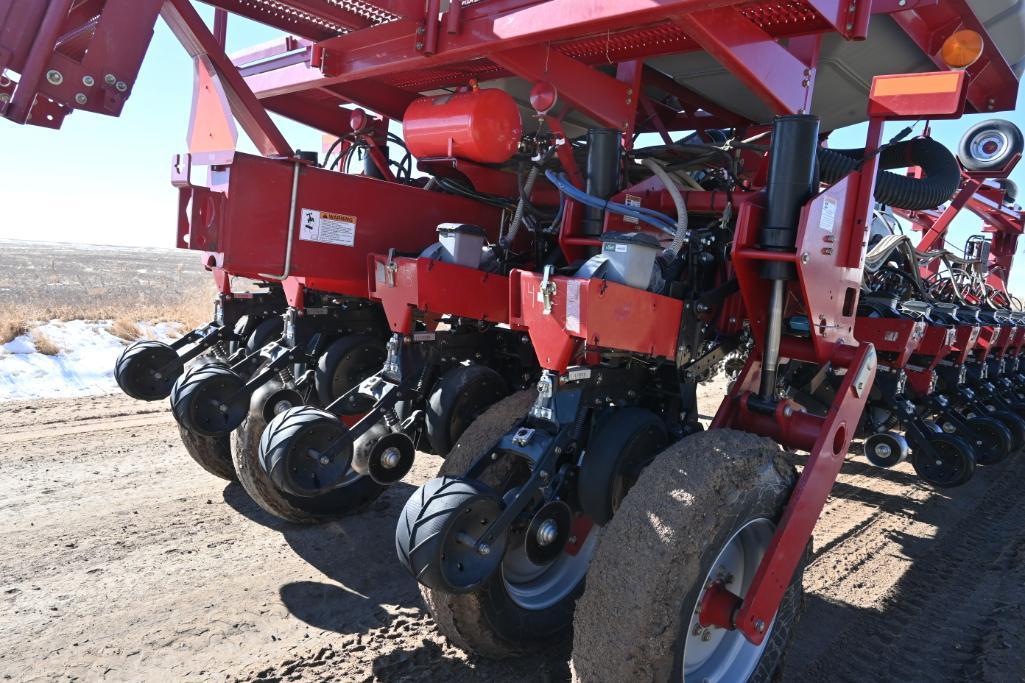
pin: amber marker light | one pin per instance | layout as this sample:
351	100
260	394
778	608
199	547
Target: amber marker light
962	48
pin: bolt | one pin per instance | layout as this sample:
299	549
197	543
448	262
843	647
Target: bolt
419	45
543	474
788	410
223	407
4	98
850	26
697	629
121	86
494	456
54	77
548	532
390	458
324	460
110	79
805	257
706	635
760	626
902	3
571	540
80	98
483	549
88	81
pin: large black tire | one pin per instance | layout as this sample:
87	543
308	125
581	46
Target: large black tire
462	393
213	453
135	370
650	567
487	622
347	362
340	502
989	145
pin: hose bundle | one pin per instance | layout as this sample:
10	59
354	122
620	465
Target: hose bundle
942	174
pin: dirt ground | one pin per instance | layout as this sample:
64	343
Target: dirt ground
120	559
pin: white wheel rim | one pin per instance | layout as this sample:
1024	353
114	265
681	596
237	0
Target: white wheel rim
714	655
989	145
537	587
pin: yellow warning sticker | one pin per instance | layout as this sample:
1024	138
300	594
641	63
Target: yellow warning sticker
327	227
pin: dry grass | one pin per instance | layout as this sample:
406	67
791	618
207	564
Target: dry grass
11	328
44	344
125	329
192	307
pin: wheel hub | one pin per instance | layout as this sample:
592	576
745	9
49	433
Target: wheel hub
716	654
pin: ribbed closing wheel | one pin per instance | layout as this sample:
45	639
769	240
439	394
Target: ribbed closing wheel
355	493
146	370
213	453
347	362
462	393
704	510
512	614
209	399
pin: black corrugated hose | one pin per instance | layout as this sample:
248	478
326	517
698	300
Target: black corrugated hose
942	174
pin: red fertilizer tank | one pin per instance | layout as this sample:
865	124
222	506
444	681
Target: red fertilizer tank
481	125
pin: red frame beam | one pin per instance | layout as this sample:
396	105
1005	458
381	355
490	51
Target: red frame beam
196	38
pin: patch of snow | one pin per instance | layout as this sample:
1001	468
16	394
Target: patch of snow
84	366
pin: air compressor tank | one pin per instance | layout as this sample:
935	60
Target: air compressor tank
481	125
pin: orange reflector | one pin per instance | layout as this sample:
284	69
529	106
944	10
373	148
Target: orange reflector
939	94
962	48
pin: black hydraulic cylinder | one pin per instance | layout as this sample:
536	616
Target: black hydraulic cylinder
791	183
604	151
370	169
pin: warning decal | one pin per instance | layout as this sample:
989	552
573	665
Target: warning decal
326	227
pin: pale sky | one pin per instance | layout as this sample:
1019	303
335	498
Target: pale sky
103	180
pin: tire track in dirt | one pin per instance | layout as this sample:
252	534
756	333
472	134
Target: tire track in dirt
106	423
953	594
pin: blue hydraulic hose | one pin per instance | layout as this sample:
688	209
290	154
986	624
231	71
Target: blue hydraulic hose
654	218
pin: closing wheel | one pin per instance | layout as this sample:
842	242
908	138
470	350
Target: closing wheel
1015	424
989	145
210	400
146	370
522	607
306	451
212	453
952	462
886	449
353	494
992	440
347	362
462	393
715	498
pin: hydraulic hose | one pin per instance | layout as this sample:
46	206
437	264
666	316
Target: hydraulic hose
681	235
649	216
942	175
528	187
